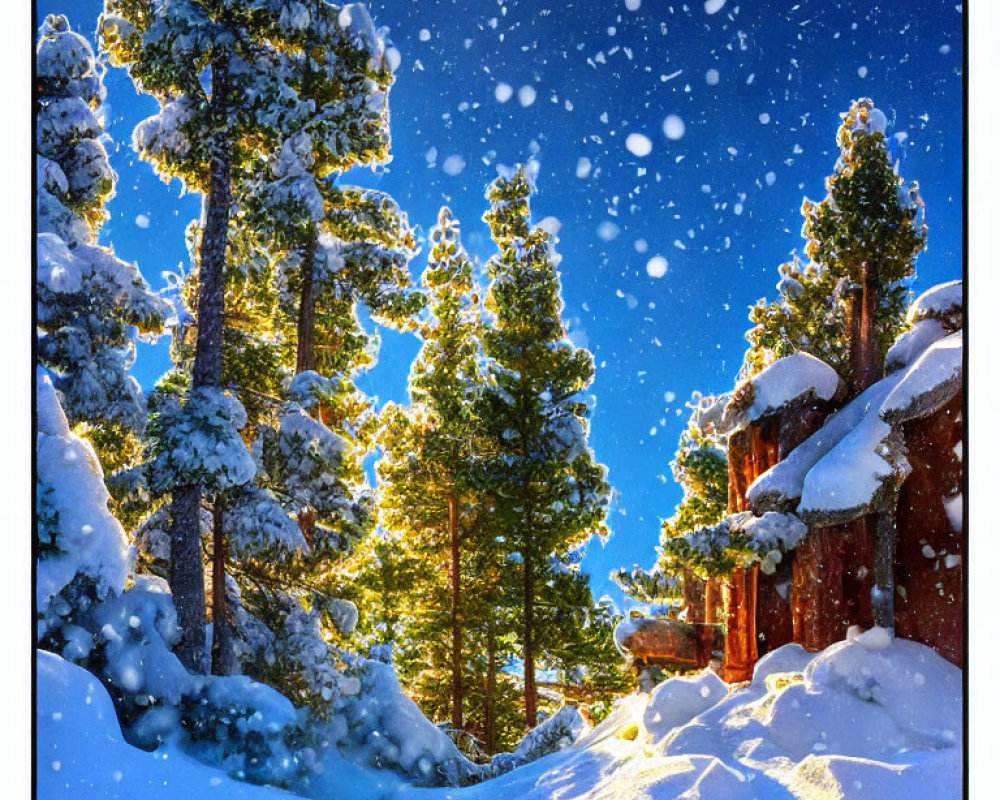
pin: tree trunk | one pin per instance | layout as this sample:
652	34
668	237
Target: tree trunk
711	601
305	355
214	239
489	713
530	691
694	596
187	582
456	623
853	322
869	368
223	660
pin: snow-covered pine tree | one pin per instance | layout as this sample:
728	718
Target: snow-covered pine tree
429	449
683	575
701	468
90	303
332	244
225	95
550	492
323	250
867	231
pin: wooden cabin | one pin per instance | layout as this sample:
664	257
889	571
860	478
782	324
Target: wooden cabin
798	451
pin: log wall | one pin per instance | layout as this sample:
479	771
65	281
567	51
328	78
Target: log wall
831	583
929	552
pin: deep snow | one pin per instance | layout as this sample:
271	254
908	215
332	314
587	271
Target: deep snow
870	717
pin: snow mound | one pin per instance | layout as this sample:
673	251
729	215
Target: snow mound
870	717
677	701
81	752
797	378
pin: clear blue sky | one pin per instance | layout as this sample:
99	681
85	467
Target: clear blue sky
758	87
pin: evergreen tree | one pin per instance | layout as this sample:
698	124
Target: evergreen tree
550	492
90	303
576	637
846	304
429	449
866	231
308	253
218	70
701	468
309	434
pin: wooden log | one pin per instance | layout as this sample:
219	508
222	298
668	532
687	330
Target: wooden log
694	596
930	551
741	626
774	613
752	451
831	583
672	643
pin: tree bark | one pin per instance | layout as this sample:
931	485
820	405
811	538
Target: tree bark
870	370
305	354
741	626
711	601
853	322
489	713
456	623
694	596
187	582
222	630
530	690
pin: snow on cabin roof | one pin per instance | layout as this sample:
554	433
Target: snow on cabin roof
781	487
933	379
846	468
798	378
910	345
942	302
856	474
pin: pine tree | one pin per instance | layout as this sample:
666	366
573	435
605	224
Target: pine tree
330	250
309	434
429	449
90	303
700	467
225	93
866	232
550	492
576	638
808	317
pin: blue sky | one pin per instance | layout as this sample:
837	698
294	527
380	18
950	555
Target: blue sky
758	87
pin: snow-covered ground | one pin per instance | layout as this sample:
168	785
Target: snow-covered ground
867	718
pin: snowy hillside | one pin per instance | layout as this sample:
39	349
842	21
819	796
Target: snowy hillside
869	717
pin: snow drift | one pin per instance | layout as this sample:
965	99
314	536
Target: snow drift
869	717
